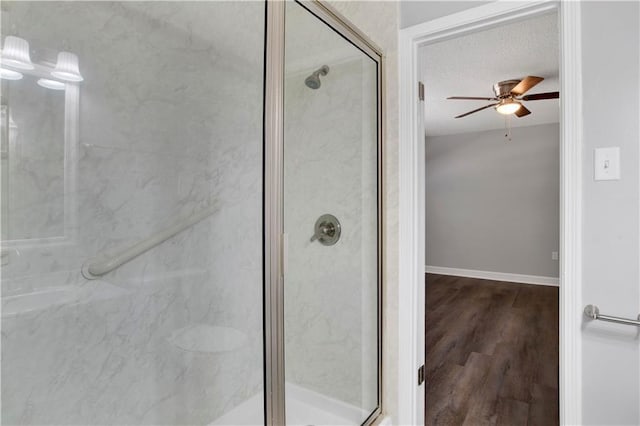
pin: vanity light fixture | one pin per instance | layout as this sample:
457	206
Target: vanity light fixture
508	106
15	53
7	74
67	67
51	84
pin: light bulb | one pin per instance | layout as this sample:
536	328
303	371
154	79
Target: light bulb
508	106
51	84
6	74
15	53
67	67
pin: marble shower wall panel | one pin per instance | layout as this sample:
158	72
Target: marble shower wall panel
155	128
379	21
119	366
327	169
170	123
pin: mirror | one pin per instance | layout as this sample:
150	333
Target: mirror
37	139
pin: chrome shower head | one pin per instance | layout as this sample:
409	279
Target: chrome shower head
313	81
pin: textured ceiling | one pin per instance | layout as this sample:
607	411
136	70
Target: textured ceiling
470	65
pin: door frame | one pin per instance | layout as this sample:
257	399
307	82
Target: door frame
273	221
411	294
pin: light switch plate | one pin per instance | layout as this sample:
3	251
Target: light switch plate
607	163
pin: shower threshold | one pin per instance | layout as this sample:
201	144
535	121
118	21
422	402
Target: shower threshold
304	408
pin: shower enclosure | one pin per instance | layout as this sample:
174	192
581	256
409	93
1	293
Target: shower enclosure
191	214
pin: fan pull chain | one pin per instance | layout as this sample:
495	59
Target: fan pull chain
507	125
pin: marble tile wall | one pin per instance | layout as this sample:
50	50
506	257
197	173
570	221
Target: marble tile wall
330	167
170	122
170	94
322	284
379	21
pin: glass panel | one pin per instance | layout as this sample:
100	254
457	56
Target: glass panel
149	173
331	280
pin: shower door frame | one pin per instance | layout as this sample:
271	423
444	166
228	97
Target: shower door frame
274	250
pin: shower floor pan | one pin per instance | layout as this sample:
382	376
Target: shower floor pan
304	408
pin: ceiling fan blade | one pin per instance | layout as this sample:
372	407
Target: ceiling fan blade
526	84
522	111
540	96
476	110
472	98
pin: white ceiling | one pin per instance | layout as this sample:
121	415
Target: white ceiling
470	65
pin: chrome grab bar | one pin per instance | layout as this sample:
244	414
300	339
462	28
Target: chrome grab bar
105	262
593	312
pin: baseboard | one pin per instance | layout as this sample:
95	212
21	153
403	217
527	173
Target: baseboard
495	276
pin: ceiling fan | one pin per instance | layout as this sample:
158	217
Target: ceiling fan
509	97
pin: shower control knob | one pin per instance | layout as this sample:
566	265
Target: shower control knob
327	230
324	230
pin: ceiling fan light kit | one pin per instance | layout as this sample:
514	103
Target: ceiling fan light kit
509	95
508	106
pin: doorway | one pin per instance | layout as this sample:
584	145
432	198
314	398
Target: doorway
412	180
492	141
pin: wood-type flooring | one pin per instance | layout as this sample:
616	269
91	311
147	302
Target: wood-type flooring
491	353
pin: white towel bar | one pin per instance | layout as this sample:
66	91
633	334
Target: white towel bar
593	312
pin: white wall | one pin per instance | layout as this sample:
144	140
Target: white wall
493	204
610	353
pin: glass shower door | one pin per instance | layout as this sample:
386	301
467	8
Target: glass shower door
131	204
331	224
